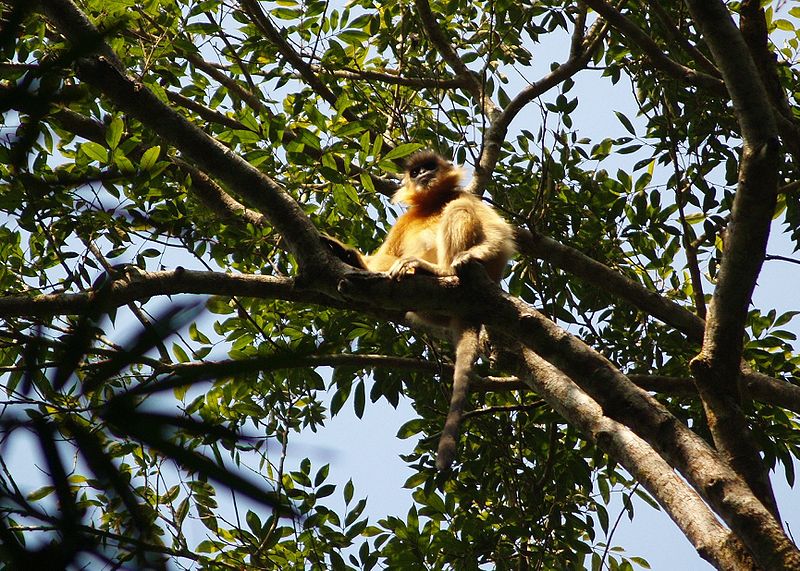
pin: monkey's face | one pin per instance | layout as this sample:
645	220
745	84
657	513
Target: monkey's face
421	174
428	179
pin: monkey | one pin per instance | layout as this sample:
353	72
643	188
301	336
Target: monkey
444	229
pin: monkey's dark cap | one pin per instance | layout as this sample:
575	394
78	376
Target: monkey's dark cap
423	161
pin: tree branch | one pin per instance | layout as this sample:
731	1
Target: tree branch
495	135
231	367
753	24
138	286
722	487
653	52
133	97
209	115
392	77
713	542
141	286
788	127
442	45
680	39
620	399
253	100
203	186
716	368
263	22
537	245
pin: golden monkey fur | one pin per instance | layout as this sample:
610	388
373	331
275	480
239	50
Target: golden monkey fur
443	229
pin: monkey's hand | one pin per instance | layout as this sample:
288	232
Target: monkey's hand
468	267
409	266
345	253
461	260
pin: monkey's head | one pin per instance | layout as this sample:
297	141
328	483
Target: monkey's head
428	177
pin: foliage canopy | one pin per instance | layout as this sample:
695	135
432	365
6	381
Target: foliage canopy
168	307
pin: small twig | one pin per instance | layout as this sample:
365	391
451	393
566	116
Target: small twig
680	39
781	258
507	408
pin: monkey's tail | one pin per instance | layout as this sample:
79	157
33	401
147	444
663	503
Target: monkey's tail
466	338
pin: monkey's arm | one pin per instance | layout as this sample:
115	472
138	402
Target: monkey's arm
345	253
410	265
378	262
469	217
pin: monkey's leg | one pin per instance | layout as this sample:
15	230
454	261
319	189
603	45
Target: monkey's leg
379	262
460	237
466	338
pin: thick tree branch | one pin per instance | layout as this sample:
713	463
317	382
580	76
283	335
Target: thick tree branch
757	386
80	125
196	371
713	542
654	53
725	491
571	260
134	98
716	368
140	286
754	31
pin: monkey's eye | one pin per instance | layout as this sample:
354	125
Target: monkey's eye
423	168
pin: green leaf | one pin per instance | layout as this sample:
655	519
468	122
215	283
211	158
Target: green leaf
695	217
354	37
366	182
179	353
411	428
253	522
348	491
95	151
377	145
359	399
114	132
42	492
123	163
149	157
322	475
339	398
325	491
415	480
401	151
625	123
